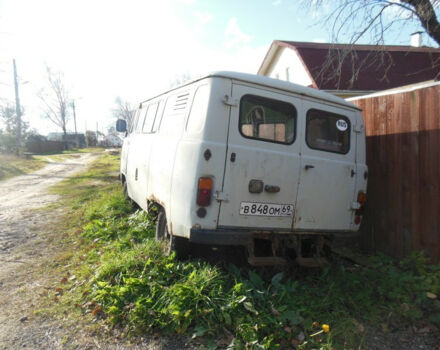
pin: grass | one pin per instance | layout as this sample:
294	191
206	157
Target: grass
13	166
123	281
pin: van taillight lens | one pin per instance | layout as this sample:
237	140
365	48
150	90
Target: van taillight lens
362	198
204	191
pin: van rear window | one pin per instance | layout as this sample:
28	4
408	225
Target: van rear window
267	120
327	131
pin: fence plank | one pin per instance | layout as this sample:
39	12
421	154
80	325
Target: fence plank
403	156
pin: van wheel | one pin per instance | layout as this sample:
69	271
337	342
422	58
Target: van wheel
171	243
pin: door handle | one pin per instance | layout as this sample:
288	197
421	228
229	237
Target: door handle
272	188
308	166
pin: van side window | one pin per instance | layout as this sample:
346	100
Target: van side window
141	120
267	120
134	120
158	118
327	131
149	119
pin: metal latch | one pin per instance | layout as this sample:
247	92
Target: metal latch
227	100
355	205
221	196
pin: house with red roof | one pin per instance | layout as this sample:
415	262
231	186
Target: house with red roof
350	70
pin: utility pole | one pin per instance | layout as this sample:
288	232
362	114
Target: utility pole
17	108
74	120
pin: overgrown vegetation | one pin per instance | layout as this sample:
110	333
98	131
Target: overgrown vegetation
120	276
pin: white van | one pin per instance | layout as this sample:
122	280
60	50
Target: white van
240	159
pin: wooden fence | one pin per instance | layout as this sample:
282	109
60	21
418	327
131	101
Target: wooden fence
41	147
403	156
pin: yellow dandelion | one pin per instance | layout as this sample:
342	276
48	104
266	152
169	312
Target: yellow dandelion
326	328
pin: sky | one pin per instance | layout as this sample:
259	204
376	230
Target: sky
134	49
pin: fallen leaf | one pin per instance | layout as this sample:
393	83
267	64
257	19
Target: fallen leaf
424	330
431	295
96	310
288	329
59	290
63	280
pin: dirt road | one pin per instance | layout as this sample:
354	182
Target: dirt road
21	247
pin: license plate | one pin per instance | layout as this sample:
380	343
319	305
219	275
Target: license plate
265	209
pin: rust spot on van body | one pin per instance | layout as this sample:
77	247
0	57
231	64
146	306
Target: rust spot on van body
153	198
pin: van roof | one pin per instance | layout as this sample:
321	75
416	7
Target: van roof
281	85
271	83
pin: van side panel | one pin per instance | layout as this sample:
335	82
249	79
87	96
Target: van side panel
205	136
164	147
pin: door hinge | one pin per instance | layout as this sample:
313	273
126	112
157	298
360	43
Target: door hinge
358	128
221	196
229	101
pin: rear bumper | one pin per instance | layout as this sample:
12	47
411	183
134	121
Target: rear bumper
220	237
244	237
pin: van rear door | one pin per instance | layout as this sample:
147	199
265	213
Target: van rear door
262	162
328	168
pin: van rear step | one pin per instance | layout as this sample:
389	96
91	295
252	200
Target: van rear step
266	260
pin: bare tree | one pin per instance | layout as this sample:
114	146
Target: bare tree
356	21
55	100
123	110
372	19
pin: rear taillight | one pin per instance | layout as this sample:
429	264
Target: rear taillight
204	191
361	199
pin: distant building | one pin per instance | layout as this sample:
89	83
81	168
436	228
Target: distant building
73	140
350	70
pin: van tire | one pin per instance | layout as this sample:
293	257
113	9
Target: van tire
179	245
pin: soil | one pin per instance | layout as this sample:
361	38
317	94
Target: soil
27	243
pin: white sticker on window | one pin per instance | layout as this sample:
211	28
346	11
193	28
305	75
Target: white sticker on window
342	125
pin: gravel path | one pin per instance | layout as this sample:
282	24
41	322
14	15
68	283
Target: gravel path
25	244
21	247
